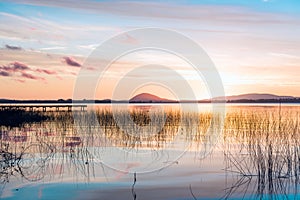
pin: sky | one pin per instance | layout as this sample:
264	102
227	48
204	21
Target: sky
45	44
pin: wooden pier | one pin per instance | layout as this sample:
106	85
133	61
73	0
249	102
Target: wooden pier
43	108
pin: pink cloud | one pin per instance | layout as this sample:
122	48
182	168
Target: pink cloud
15	67
20	72
130	39
46	71
20	66
20	80
30	76
71	61
4	73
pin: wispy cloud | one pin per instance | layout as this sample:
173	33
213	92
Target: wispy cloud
148	9
45	71
20	71
41	64
89	47
248	36
52	48
31	76
15	67
129	39
19	80
10	47
49	35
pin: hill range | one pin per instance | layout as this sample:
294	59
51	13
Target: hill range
150	98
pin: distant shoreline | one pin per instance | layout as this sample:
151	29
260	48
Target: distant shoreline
241	101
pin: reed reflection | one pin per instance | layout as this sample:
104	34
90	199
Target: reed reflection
56	145
261	146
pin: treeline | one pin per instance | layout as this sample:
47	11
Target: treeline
70	101
292	100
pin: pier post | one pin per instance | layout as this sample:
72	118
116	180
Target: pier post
32	108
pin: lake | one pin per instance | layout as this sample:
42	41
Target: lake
151	151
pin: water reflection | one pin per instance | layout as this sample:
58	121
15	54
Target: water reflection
37	147
261	147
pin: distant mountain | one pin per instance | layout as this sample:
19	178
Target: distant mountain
148	98
257	96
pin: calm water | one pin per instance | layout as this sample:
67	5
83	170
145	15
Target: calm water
152	152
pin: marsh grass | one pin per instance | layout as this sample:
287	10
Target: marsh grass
18	117
261	145
262	148
67	140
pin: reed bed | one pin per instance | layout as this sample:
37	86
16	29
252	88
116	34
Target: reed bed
262	148
75	139
261	145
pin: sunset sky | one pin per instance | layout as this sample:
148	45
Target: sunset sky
255	44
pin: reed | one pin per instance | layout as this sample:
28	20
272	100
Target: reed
261	145
267	153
